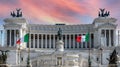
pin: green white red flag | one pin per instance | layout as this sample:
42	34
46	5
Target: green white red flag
24	39
83	38
18	42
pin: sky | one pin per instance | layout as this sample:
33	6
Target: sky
59	11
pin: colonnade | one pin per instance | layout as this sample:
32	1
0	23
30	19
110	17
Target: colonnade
108	37
49	41
11	37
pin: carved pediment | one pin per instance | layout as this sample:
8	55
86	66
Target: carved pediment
108	25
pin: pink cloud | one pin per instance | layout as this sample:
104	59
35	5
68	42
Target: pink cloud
51	11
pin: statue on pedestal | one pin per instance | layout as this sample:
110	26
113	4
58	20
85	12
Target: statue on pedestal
3	57
59	43
59	34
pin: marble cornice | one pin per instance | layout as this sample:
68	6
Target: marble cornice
107	25
105	20
12	26
67	32
15	20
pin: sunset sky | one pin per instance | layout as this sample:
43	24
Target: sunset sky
60	11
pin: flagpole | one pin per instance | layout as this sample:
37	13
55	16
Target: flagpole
89	60
18	49
28	59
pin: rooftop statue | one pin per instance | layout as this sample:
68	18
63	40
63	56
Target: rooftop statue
17	14
59	33
102	13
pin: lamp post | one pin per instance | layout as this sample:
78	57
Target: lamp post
89	60
101	50
28	58
18	47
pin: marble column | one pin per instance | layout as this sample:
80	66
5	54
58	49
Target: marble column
20	34
5	39
14	37
33	40
74	41
81	42
90	40
41	40
29	40
65	41
50	41
70	41
105	39
37	40
10	38
86	44
114	37
45	40
109	38
53	41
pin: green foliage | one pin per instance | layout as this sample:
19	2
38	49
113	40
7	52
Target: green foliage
113	59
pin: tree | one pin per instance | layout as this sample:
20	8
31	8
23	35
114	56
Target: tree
113	59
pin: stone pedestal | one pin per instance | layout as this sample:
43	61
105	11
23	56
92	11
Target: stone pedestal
60	45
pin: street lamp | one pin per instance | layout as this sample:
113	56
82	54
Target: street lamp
28	58
101	49
18	47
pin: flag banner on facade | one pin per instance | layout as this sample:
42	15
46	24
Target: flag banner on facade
18	42
83	38
23	39
87	37
26	38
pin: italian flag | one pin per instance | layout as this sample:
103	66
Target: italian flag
24	39
83	38
18	42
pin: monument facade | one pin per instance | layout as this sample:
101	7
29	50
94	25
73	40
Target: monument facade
46	40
